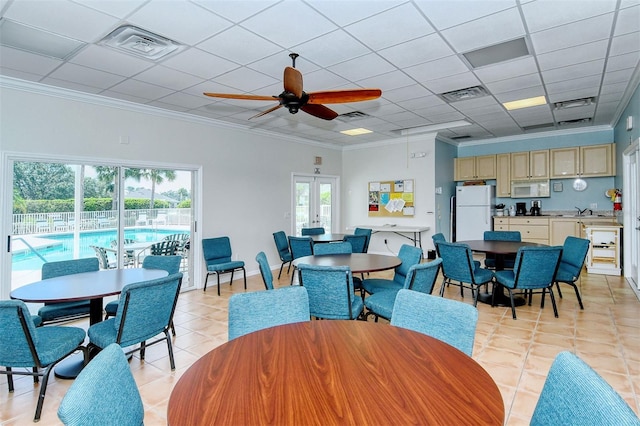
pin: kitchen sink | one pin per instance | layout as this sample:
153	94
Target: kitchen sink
583	216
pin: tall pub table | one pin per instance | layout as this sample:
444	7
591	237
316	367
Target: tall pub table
500	249
94	286
335	372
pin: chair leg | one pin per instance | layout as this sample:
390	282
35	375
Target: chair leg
553	301
444	281
170	349
43	389
244	272
218	275
9	379
231	280
513	305
559	291
475	295
173	329
544	291
206	278
575	287
143	349
493	294
281	266
36	379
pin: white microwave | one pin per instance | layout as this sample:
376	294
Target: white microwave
529	188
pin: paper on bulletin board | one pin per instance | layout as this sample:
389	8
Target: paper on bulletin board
393	198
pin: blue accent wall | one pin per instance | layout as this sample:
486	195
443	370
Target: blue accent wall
623	137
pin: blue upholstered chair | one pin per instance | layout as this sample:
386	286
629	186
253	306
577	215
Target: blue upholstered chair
330	291
312	231
265	270
364	231
459	269
574	252
282	245
300	247
145	311
358	242
451	321
104	393
171	264
58	311
409	255
217	256
509	260
574	394
249	312
439	237
535	269
332	248
421	278
22	345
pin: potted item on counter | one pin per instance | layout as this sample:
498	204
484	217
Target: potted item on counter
499	209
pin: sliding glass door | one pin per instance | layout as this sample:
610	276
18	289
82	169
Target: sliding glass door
65	211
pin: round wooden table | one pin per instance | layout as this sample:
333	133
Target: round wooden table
335	372
327	238
358	262
94	286
500	249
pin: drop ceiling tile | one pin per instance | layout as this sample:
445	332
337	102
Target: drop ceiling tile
469	105
109	60
613	88
432	111
71	19
621	76
511	84
324	80
574	113
86	76
452	82
330	49
305	25
236	10
444	118
620	62
609	97
27	76
514	95
124	96
501	26
572	94
542	113
421	102
167	77
506	70
199	63
363	67
417	51
627	21
437	69
542	15
383	110
211	86
574	71
381	30
181	21
386	82
169	106
226	45
274	65
73	85
245	80
184	100
575	84
19	60
406	93
625	44
444	14
141	89
574	34
577	54
119	9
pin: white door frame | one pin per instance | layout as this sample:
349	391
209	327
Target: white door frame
631	212
335	202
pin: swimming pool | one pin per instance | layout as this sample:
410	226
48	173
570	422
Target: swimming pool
55	247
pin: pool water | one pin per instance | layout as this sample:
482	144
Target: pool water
60	246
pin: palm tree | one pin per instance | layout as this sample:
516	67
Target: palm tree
157	176
108	175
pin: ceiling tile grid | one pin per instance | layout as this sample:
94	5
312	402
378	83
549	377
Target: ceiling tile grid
413	50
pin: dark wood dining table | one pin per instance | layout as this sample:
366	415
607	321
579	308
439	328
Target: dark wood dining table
357	262
327	238
93	286
500	249
335	372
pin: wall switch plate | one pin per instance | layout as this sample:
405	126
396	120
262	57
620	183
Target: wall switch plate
438	190
593	206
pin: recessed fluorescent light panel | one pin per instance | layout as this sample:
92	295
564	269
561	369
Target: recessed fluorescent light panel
139	42
34	40
433	127
525	103
356	132
497	53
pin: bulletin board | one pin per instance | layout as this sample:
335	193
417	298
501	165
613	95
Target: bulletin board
391	198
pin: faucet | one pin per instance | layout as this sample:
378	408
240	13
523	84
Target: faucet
581	212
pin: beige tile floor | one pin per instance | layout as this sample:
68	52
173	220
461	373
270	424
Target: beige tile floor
517	353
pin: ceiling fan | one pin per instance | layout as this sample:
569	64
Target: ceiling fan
294	98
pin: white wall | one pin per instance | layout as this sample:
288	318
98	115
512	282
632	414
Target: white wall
390	161
246	175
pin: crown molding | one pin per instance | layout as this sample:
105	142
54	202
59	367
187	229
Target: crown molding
503	139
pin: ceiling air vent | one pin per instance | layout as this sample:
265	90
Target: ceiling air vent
574	103
139	42
576	121
352	116
464	94
537	126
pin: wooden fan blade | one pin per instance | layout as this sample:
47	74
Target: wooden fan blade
319	111
293	81
342	96
266	112
247	97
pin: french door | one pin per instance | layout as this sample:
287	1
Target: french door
315	203
631	213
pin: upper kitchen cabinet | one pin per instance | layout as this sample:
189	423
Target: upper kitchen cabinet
587	161
503	175
469	168
530	165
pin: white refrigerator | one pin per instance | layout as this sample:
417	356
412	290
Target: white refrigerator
474	211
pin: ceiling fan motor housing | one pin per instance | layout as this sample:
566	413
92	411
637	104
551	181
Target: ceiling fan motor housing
292	102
